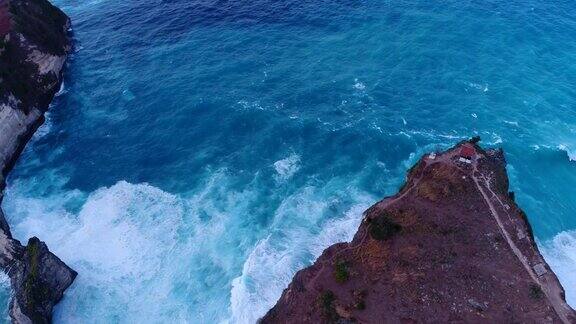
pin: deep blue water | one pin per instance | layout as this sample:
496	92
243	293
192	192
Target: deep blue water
204	151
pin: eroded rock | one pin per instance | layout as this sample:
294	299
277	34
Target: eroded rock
34	44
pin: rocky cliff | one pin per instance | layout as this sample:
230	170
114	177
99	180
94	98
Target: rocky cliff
34	45
451	247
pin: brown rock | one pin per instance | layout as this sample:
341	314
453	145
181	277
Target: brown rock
451	247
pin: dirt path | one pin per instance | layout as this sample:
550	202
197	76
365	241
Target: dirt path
445	158
552	291
386	203
388	269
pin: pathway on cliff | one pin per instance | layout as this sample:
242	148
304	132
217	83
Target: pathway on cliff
386	202
551	291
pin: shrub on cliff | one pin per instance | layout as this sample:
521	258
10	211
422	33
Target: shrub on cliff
41	23
36	292
359	299
326	301
536	292
341	273
382	227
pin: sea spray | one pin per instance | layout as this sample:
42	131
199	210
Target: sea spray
290	247
566	148
560	253
287	167
132	241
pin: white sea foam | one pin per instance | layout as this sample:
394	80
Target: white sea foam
61	90
382	165
118	242
434	135
4	280
45	128
571	153
250	105
513	123
495	138
141	253
560	253
5	292
128	95
359	85
300	235
287	167
478	86
377	127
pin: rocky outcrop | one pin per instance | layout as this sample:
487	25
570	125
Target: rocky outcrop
34	45
451	247
40	280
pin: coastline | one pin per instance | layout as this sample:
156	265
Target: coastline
23	140
35	46
451	246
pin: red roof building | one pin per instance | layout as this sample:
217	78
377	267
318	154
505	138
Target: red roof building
467	151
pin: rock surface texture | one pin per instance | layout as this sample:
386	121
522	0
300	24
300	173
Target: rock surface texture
451	247
34	45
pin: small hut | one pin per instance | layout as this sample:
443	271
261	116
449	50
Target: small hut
467	152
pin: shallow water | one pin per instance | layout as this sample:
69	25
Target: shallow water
202	152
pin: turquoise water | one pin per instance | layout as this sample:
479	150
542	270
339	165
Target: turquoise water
201	152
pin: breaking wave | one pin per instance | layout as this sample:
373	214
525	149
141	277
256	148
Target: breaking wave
570	152
560	253
292	245
5	292
195	253
120	242
287	167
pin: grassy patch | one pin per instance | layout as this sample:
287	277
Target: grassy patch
326	301
341	273
35	289
536	292
359	299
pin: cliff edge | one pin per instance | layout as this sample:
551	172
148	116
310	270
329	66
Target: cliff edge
451	247
34	45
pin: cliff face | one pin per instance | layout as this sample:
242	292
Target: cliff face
33	49
451	246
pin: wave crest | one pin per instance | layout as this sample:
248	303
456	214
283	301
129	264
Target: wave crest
560	253
571	153
301	232
287	167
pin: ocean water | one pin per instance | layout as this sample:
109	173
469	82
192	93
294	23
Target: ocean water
201	152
